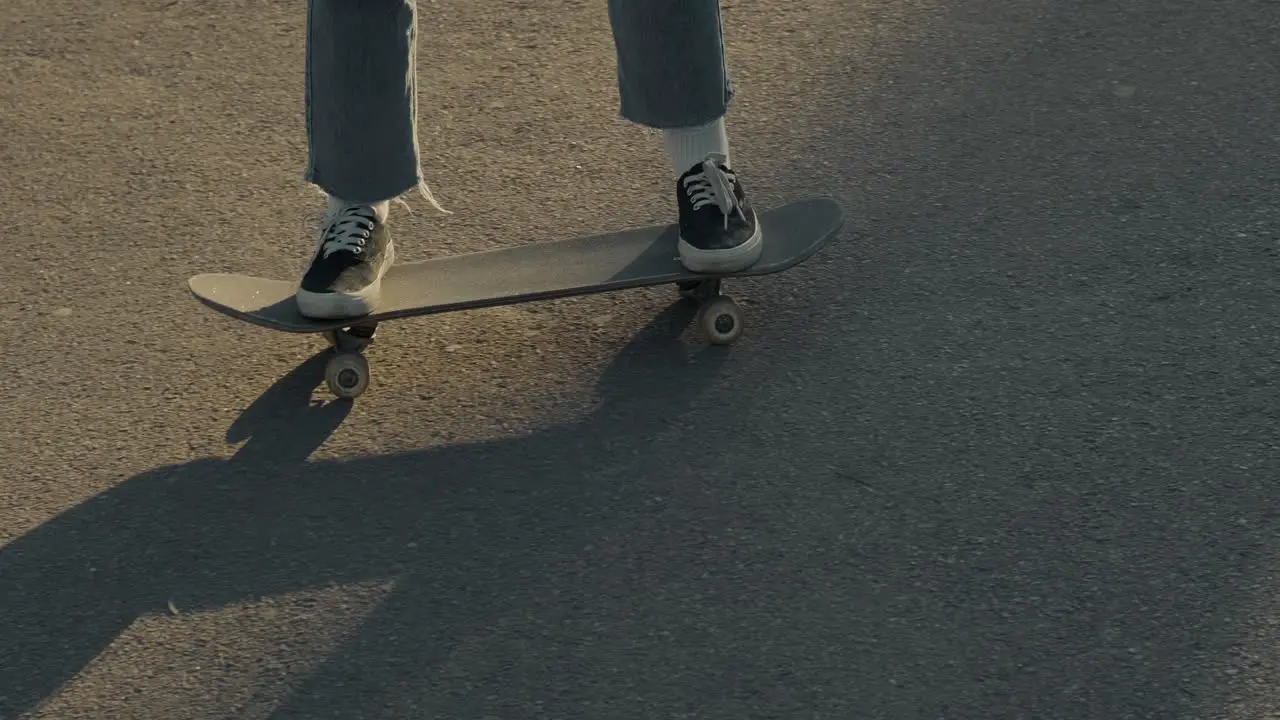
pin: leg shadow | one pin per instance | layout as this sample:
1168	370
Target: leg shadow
454	524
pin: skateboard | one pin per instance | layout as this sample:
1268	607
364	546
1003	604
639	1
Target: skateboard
627	259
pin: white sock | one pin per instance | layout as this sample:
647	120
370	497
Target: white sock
381	208
689	146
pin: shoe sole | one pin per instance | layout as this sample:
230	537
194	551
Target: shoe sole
338	306
343	305
723	261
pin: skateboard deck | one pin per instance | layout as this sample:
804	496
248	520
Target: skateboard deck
626	259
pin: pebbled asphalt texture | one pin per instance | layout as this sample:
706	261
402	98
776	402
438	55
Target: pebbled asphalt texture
1007	448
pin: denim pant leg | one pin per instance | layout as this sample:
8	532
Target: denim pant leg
361	84
671	65
361	98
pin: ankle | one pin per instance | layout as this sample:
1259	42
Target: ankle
687	147
381	208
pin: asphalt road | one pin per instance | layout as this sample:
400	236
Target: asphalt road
1006	449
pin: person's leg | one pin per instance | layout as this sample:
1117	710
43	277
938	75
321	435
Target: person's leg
361	87
672	77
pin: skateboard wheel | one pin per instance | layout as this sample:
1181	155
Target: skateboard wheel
347	375
721	320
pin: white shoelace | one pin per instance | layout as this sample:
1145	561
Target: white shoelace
349	230
713	185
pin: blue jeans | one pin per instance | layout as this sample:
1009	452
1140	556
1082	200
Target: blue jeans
361	84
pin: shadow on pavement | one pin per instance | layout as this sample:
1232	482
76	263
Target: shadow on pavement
457	524
1030	473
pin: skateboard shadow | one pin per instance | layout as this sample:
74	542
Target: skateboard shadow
265	521
284	425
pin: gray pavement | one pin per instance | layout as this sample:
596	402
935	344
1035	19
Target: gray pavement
1006	449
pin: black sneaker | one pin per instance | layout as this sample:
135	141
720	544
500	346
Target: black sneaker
719	231
345	277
